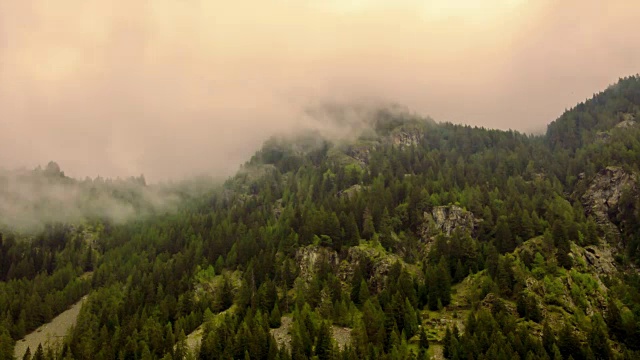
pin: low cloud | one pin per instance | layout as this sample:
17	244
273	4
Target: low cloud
172	89
31	199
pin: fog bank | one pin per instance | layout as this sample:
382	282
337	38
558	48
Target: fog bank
175	88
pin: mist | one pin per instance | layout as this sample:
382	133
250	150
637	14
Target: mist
31	199
171	89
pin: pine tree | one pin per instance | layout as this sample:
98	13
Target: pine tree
614	319
443	282
504	239
275	317
568	344
39	355
6	345
363	294
561	241
368	228
356	281
350	229
493	261
597	338
446	343
27	354
424	341
548	339
409	319
323	348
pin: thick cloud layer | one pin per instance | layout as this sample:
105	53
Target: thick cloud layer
172	88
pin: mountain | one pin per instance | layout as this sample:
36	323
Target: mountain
415	239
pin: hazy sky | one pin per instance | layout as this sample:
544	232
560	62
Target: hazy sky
169	88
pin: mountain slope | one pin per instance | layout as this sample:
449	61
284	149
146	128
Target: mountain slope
417	238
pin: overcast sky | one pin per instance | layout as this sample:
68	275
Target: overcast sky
171	88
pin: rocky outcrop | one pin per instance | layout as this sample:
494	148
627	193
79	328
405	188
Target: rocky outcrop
282	335
625	124
350	192
405	138
602	197
600	259
494	304
446	219
310	257
380	263
361	153
377	263
341	335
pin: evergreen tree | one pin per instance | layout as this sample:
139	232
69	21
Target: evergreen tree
561	240
323	347
597	339
6	344
368	229
275	317
39	354
27	354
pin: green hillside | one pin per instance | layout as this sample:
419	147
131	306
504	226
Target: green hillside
417	240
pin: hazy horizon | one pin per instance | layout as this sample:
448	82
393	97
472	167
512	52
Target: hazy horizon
172	89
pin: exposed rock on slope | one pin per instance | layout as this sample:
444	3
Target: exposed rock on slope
310	257
492	302
406	138
377	262
602	197
351	191
447	218
625	124
361	152
282	335
380	263
600	259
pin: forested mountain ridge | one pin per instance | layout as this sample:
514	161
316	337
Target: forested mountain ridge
417	239
30	199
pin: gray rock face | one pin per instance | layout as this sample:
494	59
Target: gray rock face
380	265
602	197
405	138
600	259
309	258
492	302
625	124
361	153
448	218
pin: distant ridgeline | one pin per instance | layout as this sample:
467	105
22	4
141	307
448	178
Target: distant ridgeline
29	199
413	239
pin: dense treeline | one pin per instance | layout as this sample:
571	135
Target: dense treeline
234	260
41	277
